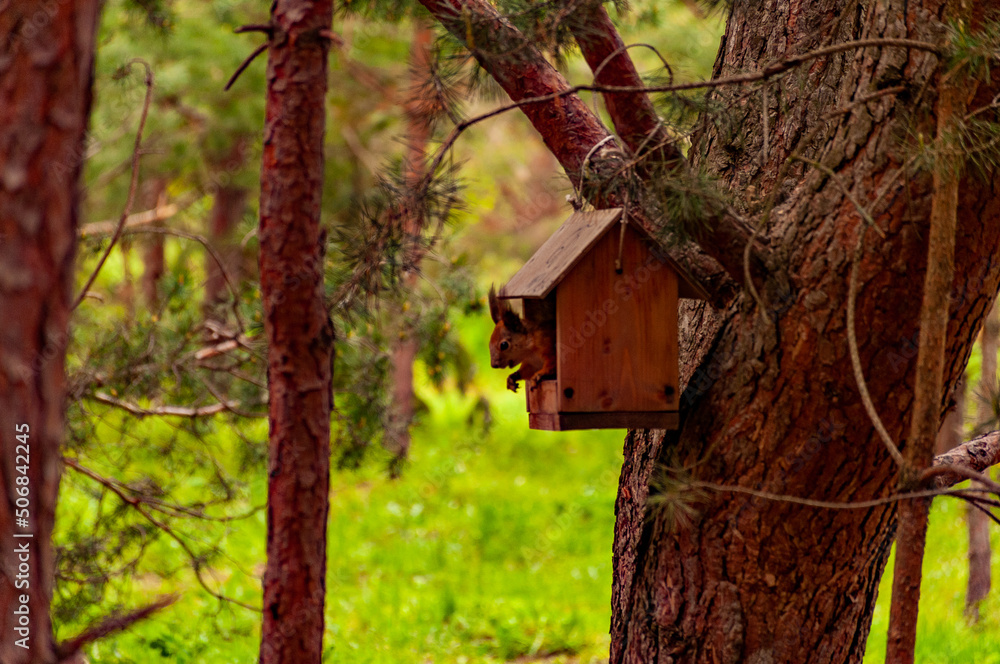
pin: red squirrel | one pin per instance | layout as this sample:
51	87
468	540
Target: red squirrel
530	343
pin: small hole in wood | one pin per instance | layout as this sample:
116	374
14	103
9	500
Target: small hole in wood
669	391
568	392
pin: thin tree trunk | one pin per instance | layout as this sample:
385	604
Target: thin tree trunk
911	538
979	524
419	114
153	197
952	433
227	209
46	73
299	333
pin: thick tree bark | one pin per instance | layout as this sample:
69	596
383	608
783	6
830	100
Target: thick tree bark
299	332
771	402
46	71
777	408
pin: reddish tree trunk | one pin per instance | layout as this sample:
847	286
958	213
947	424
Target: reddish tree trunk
953	425
771	403
775	405
979	523
227	210
153	259
929	391
47	55
299	332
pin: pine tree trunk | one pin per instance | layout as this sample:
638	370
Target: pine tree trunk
770	402
773	406
227	210
299	332
46	72
152	196
979	523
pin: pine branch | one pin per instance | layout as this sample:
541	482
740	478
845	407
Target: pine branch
133	184
575	136
606	54
110	625
140	506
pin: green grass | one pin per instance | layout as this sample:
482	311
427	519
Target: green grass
494	546
943	637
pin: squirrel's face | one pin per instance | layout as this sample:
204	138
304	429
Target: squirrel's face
503	344
509	338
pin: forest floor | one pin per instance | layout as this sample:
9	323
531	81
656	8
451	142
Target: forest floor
495	546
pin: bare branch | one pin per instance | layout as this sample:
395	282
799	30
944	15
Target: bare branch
246	63
852	344
156	215
167	411
832	505
110	625
130	200
976	455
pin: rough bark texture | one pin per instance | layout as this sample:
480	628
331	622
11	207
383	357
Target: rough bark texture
299	333
46	70
770	400
979	454
773	405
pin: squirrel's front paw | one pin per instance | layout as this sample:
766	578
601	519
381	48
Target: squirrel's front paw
512	383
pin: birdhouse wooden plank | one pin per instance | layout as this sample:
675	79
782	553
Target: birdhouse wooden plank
559	254
615	296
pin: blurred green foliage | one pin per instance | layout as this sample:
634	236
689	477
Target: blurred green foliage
495	543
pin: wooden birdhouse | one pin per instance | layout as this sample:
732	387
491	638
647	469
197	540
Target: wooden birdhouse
615	295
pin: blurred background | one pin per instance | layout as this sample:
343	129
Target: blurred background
455	533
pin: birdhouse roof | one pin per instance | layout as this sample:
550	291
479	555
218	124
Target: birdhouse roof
561	252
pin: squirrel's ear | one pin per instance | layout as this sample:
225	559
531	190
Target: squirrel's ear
494	305
513	322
